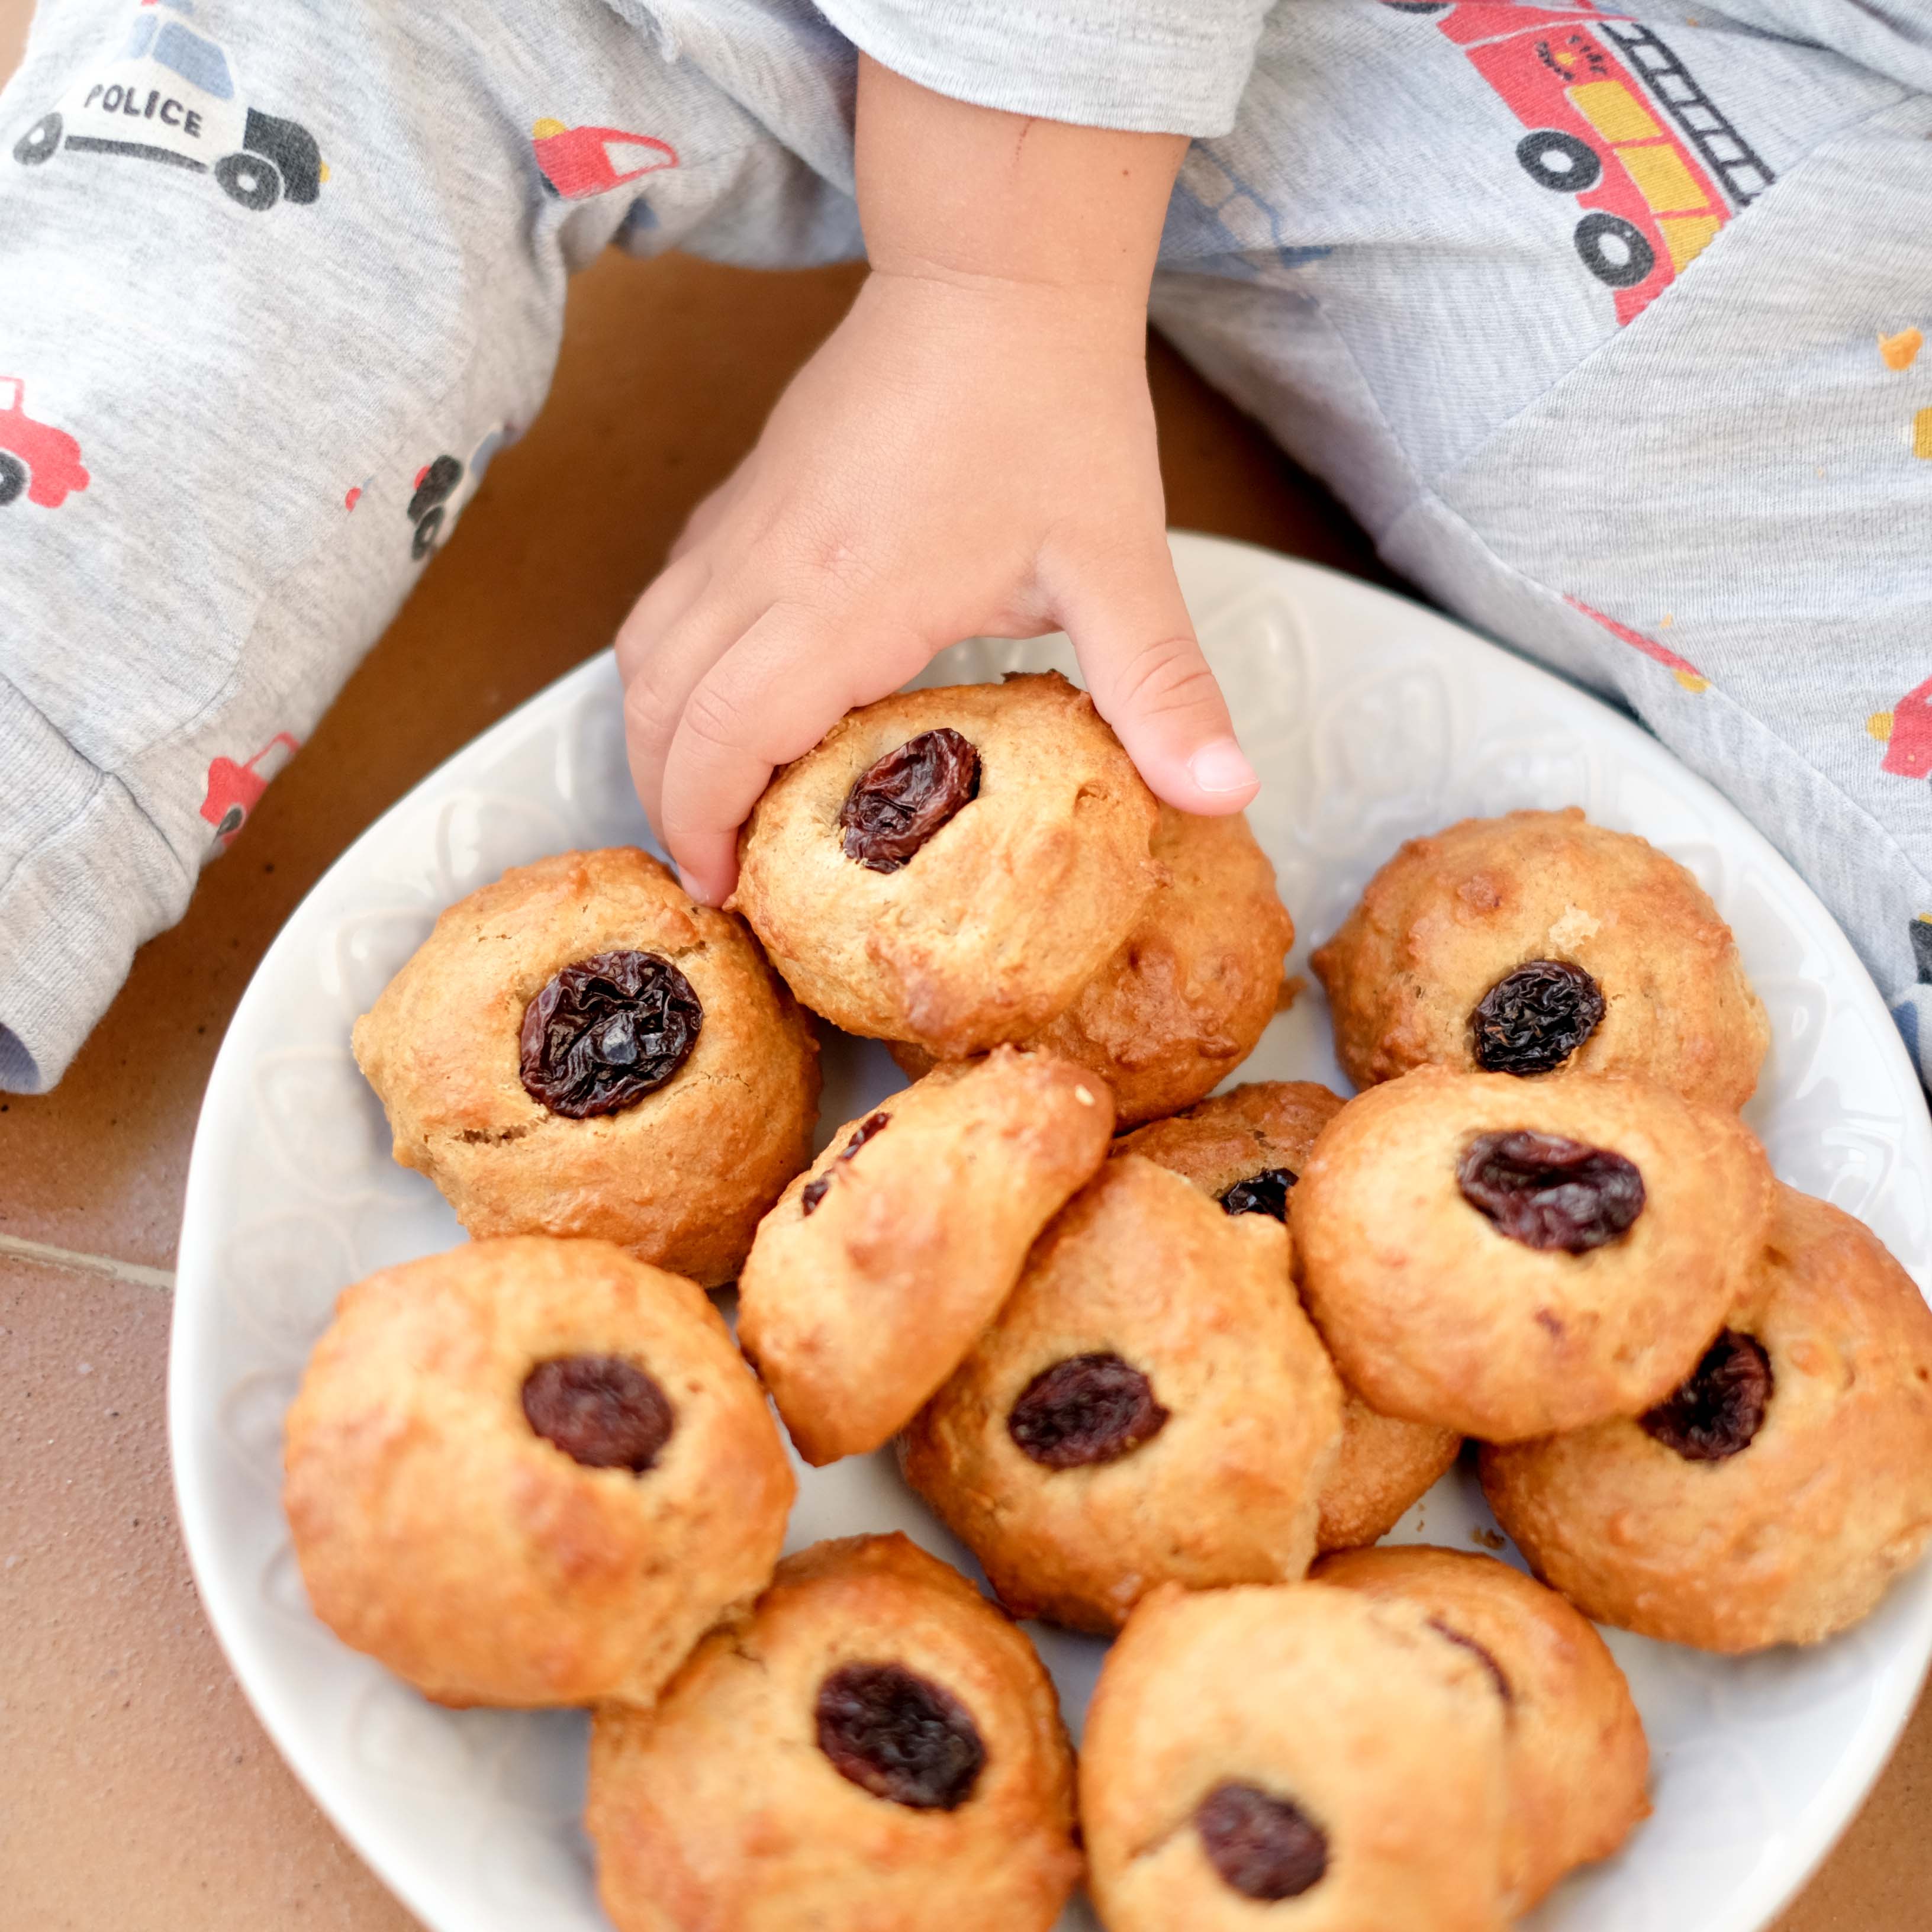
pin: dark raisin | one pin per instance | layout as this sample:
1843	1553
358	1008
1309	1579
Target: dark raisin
815	1191
1482	1654
1263	1193
606	1031
900	802
1088	1409
1549	1193
1531	1021
600	1410
1720	1407
899	1736
1263	1846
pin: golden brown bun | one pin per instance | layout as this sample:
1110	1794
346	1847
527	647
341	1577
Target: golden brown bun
1380	1730
1192	987
1797	1535
681	1176
1435	1314
720	1812
1140	1269
1449	916
993	926
437	1531
1578	1760
855	1312
1382	1465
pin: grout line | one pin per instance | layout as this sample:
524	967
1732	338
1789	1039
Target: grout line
105	1264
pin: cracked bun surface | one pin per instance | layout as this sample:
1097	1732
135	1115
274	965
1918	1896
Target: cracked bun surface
1538	943
1774	1497
580	1048
531	1472
872	1745
949	867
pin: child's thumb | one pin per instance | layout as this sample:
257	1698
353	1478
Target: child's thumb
1144	666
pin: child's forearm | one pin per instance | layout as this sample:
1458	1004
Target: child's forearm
987	200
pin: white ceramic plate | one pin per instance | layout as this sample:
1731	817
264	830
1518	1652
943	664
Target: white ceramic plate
1372	719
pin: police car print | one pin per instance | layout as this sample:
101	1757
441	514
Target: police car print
170	94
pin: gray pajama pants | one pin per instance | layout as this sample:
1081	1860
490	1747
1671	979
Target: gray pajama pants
1606	327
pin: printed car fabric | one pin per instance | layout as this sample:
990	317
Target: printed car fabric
1595	321
1591	314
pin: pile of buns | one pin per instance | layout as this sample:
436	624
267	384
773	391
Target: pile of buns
1169	1366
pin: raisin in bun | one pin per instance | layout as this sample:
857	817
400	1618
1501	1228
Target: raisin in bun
1774	1496
1537	943
873	1744
1300	1755
1247	1149
950	867
580	1048
872	1277
1151	1404
531	1472
1193	985
1508	1258
1574	1745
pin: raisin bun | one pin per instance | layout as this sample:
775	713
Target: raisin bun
1539	943
1152	1404
1300	1756
580	1048
1771	1498
950	867
1510	1258
1193	985
873	1744
1577	1759
1247	1149
876	1273
531	1472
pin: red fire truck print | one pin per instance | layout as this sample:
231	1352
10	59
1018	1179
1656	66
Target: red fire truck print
1686	673
1906	732
1616	120
36	460
580	162
233	789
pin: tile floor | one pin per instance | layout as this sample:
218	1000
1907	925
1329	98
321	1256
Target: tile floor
136	1791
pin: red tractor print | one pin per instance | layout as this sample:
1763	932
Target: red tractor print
1906	732
580	162
35	459
1616	120
234	790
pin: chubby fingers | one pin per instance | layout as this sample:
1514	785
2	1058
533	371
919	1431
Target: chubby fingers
764	702
1136	642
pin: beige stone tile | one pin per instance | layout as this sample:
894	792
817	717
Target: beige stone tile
136	1789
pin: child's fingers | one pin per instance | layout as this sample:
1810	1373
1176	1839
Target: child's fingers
1136	644
663	653
767	700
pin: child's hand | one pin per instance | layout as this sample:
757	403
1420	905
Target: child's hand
973	450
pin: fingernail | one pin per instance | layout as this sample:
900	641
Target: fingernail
1222	767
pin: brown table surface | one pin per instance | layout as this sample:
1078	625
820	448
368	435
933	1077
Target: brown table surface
136	1789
